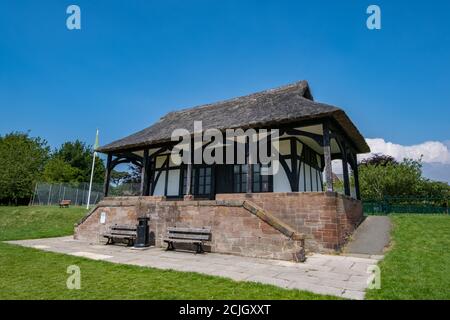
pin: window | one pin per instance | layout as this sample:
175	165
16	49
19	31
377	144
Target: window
200	181
261	183
240	178
204	181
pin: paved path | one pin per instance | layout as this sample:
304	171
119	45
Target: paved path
371	237
323	274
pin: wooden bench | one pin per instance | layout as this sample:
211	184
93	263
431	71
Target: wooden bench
65	203
123	232
196	236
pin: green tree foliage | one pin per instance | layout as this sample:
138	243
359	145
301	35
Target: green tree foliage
119	177
72	163
57	170
435	189
379	160
22	159
382	176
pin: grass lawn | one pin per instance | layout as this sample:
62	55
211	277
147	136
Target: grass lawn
17	223
416	267
418	264
27	273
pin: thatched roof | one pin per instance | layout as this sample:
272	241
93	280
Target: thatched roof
287	104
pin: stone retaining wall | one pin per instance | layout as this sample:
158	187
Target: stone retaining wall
328	218
325	218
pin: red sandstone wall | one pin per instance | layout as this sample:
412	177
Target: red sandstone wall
234	229
91	229
327	217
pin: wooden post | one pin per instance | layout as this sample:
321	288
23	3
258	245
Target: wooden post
249	169
189	179
189	170
145	174
356	176
294	165
107	174
327	157
345	169
249	178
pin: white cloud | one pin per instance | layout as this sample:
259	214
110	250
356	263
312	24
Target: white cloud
431	151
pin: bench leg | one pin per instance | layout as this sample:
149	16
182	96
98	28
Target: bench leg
170	246
199	248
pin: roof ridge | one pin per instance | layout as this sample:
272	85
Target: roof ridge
286	87
291	103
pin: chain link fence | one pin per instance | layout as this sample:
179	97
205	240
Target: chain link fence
77	193
53	193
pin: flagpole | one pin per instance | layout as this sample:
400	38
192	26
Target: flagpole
92	171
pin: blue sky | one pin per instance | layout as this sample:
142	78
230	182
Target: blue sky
133	61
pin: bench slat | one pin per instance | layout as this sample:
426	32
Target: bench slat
171	235
123	227
189	230
124	233
182	241
118	236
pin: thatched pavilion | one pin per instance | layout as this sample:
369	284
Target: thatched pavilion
311	135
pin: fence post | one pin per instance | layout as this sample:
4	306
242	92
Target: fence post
84	193
32	197
49	195
59	192
76	197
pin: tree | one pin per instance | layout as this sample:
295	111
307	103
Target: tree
57	170
119	177
79	156
22	161
435	189
382	176
135	174
390	178
379	160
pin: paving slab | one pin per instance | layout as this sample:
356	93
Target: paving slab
342	276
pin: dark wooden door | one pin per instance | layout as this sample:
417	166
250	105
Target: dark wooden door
224	178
